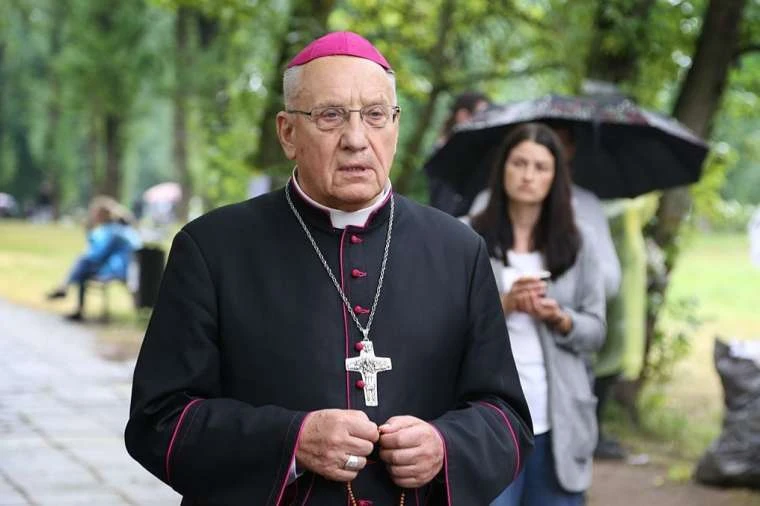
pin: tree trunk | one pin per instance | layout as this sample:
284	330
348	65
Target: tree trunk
411	161
696	106
307	21
112	180
27	175
93	155
2	109
181	67
622	66
619	68
50	152
698	101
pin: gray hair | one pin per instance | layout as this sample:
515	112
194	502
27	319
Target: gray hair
291	84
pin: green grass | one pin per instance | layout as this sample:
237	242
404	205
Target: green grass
717	271
36	257
681	420
682	417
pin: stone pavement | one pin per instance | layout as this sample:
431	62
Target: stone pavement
62	416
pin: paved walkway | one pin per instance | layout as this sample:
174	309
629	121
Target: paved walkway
62	416
63	411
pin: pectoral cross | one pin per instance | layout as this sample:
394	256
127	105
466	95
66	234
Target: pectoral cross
368	365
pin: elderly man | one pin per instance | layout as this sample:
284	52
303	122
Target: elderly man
330	342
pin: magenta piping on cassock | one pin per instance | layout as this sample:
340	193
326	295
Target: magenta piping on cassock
292	460
511	431
308	492
345	317
445	464
305	200
174	437
373	213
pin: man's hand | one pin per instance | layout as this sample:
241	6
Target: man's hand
412	451
329	436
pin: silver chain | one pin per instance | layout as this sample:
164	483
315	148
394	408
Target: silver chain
363	330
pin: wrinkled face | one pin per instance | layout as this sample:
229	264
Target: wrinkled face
344	168
528	173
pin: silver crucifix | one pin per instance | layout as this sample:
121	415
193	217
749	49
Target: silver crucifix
368	365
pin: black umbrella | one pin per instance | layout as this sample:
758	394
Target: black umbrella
622	150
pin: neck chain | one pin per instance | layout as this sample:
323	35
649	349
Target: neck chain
362	329
346	303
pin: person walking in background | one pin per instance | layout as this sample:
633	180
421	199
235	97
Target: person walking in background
111	241
553	323
442	195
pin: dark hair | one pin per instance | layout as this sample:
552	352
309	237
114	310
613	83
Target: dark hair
555	235
467	100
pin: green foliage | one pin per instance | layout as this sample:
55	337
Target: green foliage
671	342
119	57
739	125
669	41
706	193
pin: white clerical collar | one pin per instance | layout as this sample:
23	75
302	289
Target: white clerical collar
342	219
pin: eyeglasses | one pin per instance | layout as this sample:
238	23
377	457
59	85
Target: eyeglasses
329	118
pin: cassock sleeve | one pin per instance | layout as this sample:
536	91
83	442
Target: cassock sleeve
181	428
488	438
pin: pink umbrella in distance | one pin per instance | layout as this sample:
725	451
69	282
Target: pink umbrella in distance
163	192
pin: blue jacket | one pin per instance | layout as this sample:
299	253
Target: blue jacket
111	246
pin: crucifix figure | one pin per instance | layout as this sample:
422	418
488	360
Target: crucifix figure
368	365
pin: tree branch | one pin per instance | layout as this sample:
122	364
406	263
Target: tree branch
515	12
477	77
749	48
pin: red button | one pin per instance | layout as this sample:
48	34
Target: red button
360	310
358	346
364	502
355	239
359	384
357	273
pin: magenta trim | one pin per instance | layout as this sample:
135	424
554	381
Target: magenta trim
292	460
174	437
345	317
302	195
512	433
375	211
308	492
417	497
445	465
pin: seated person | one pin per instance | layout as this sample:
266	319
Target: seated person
111	242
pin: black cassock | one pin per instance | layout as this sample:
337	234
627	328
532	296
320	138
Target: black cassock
249	335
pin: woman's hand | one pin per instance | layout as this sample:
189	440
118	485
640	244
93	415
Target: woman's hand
523	294
549	311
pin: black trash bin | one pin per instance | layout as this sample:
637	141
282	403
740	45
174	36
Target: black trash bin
148	266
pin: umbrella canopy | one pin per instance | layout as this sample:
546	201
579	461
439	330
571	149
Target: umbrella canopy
622	150
7	201
163	192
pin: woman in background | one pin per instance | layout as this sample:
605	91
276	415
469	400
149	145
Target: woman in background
553	301
111	241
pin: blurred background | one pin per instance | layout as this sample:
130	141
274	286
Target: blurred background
168	106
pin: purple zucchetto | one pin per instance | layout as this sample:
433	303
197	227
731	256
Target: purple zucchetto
340	44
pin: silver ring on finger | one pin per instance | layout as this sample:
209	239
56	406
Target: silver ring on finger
353	463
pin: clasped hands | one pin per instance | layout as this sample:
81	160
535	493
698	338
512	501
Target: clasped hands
528	295
411	449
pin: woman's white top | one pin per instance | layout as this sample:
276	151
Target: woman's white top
525	341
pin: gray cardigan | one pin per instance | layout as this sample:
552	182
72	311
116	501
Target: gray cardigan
580	292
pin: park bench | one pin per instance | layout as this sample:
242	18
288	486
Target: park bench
142	281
